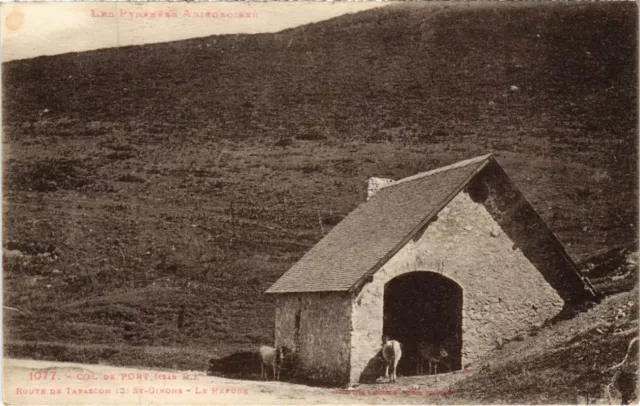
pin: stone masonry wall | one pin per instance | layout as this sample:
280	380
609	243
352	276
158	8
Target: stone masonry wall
503	293
524	226
323	342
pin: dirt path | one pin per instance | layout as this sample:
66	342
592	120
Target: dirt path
25	382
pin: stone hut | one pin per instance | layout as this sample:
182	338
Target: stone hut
455	256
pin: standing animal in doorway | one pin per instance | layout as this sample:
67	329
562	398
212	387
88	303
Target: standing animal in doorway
391	354
434	354
272	358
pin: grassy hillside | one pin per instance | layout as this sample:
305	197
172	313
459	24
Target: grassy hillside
558	364
142	179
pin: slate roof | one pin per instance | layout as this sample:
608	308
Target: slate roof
376	230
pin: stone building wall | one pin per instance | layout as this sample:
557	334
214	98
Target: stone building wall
323	340
529	232
503	293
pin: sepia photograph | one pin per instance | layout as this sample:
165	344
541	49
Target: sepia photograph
320	202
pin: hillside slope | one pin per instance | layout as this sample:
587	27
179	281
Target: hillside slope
140	180
558	364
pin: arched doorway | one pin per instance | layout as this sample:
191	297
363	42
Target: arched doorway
424	307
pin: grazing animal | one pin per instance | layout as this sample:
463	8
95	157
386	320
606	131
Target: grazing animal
391	353
433	354
272	358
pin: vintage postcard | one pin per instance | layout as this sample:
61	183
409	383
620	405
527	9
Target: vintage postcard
320	203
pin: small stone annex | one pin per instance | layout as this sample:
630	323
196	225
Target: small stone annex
455	256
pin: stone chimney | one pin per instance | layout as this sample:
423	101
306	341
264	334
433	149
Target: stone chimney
376	184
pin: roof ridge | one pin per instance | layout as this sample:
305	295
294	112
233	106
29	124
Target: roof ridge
454	165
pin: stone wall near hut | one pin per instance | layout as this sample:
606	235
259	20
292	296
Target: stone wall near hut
503	293
530	234
322	341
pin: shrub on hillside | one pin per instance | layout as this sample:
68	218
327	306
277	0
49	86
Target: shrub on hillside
130	178
48	175
284	142
311	135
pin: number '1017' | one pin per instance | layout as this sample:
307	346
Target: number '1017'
42	375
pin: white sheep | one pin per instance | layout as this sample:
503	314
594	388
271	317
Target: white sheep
273	358
391	353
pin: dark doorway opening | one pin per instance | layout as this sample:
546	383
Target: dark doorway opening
424	307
